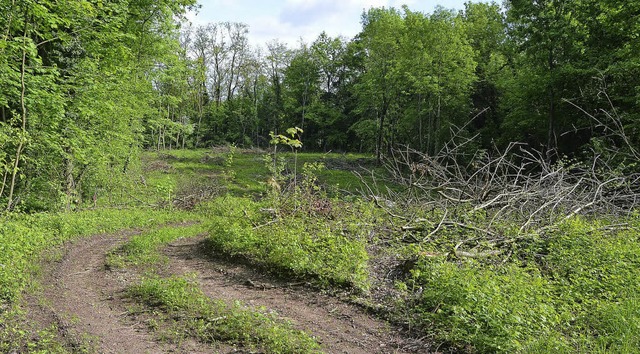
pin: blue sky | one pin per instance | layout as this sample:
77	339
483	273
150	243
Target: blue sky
292	20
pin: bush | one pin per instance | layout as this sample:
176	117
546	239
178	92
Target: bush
579	293
494	309
300	246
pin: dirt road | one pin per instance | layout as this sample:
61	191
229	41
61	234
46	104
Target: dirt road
86	302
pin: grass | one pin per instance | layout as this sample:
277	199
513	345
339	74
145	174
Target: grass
143	249
178	303
211	320
26	239
575	290
245	172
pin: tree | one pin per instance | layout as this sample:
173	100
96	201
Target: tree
74	93
377	90
550	40
486	29
301	79
437	67
277	59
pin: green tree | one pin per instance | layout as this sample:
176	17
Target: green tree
486	29
437	67
333	116
550	41
74	92
301	80
377	90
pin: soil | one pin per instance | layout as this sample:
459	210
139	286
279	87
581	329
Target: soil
86	303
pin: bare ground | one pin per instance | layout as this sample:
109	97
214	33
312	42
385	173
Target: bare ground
85	302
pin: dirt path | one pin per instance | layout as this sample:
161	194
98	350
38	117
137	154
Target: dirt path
85	301
338	326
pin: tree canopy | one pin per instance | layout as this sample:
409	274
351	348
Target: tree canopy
85	85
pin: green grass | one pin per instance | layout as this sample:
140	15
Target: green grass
26	239
23	238
245	173
575	290
210	320
144	249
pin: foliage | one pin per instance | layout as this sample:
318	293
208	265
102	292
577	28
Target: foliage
331	251
210	320
86	85
574	291
75	89
495	309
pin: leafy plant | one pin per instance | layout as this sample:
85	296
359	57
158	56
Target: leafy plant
301	247
292	141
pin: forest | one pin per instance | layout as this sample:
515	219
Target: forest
87	85
468	176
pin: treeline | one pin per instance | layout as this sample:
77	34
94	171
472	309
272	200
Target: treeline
86	84
527	71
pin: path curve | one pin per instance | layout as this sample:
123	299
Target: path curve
338	326
85	301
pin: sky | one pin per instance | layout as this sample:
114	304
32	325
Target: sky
292	20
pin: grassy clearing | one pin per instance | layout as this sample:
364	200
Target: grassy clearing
210	321
573	290
244	172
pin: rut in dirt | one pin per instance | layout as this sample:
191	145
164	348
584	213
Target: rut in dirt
86	301
338	326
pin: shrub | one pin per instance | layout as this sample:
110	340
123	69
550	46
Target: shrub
298	245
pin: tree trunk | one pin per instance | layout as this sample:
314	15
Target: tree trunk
551	130
383	115
23	108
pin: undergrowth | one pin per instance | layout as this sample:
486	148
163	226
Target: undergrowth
573	290
576	290
329	250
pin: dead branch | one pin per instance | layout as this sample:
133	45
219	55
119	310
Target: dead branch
477	190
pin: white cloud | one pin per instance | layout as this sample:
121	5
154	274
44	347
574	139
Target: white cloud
289	20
